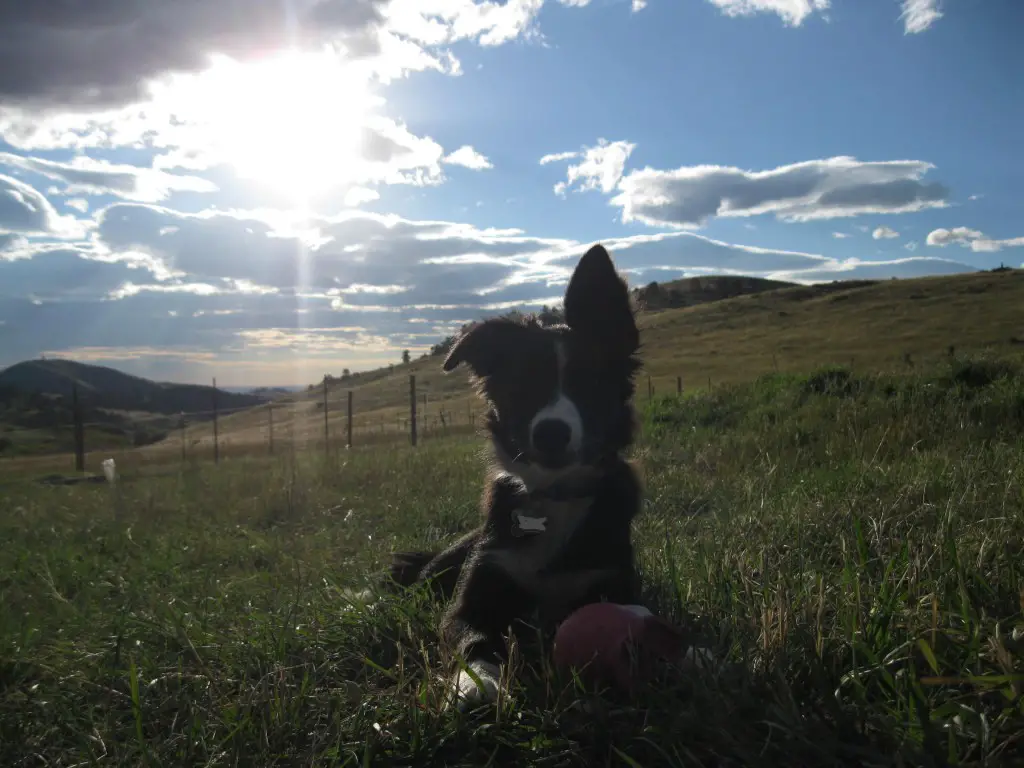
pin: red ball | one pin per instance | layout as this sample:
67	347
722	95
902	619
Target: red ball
615	643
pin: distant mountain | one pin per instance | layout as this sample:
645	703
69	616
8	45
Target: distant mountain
120	410
691	291
269	393
103	387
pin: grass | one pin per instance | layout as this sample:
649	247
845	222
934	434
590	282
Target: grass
851	545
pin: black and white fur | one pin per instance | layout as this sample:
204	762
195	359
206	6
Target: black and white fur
560	498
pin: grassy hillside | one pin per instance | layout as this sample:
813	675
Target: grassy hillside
32	423
121	411
848	545
691	291
871	326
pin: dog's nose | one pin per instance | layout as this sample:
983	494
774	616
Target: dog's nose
551	436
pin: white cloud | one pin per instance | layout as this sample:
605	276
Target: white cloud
437	262
639	5
831	188
315	339
58	273
792	12
86	176
919	15
856	269
108	54
985	245
884	233
78	203
218	85
972	238
975	197
12	245
600	167
911	246
119	354
943	237
356	196
25	210
436	22
290	284
558	157
468	157
840	235
134	289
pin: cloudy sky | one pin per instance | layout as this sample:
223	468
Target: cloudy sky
265	190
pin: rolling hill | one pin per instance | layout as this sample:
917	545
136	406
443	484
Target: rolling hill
691	291
869	325
108	388
121	410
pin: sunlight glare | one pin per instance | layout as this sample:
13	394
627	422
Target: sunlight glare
291	121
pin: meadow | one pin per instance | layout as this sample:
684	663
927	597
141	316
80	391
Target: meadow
850	543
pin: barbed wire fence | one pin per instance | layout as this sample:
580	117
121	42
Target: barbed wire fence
281	425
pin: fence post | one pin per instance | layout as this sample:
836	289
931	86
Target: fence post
270	425
76	412
679	385
412	407
184	447
327	429
349	425
216	434
650	388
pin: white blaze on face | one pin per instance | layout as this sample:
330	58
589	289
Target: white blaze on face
562	408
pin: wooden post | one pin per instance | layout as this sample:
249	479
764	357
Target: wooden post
327	429
679	385
349	424
270	426
184	444
76	411
412	408
216	435
650	388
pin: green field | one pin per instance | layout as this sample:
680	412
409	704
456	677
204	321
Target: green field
851	544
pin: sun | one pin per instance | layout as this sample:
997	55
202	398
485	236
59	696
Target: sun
292	121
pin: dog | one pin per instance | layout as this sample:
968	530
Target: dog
560	498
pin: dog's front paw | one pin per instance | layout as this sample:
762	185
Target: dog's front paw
470	693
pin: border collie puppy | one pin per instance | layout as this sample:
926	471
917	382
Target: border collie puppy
560	497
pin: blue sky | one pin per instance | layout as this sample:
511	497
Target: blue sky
263	196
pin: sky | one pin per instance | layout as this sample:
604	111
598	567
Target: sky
264	191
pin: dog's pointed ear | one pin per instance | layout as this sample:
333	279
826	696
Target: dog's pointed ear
597	303
480	347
